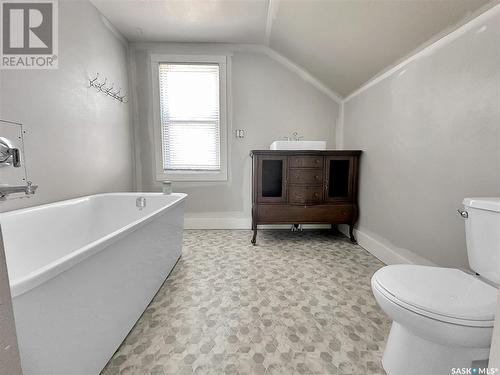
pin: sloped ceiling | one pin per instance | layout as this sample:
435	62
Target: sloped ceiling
217	21
341	43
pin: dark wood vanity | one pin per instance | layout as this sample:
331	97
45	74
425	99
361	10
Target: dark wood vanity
304	187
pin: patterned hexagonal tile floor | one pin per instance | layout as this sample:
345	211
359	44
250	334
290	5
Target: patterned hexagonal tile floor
298	303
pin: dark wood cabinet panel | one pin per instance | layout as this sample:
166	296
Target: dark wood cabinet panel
341	179
271	184
295	187
316	214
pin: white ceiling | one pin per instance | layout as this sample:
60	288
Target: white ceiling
345	43
187	21
341	43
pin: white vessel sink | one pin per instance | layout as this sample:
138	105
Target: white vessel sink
298	145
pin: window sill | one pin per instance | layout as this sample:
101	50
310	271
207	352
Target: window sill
192	176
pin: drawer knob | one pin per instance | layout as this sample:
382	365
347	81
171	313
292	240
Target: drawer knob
316	177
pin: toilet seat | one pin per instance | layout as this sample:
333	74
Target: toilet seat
445	294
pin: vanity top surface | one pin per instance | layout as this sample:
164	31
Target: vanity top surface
307	152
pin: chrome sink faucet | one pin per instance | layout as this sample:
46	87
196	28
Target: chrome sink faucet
296	137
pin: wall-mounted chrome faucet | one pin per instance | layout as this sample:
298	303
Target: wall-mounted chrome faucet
13	179
9	154
29	189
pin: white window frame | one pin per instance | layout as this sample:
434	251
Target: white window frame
161	174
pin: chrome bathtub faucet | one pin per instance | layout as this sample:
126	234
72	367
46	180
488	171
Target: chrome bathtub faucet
140	203
29	189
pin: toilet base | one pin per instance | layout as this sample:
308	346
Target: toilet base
409	354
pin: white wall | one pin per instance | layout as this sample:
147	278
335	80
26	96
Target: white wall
430	132
78	141
495	342
268	100
9	353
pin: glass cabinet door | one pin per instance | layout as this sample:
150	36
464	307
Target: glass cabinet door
339	178
272	179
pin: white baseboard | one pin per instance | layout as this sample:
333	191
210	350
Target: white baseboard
378	247
217	223
383	250
197	222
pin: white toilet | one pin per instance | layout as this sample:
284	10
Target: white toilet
443	317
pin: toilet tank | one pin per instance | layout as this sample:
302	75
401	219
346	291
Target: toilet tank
482	231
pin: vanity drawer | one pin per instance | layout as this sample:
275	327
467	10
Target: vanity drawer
305	194
305	161
305	176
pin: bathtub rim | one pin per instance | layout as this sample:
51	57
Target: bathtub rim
47	272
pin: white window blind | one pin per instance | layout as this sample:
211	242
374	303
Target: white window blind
190	116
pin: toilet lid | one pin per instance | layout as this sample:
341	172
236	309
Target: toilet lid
447	292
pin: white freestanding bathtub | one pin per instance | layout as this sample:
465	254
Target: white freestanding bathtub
82	271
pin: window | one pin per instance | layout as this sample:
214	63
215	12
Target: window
189	113
189	92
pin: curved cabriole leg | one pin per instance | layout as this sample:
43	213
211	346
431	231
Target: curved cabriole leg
254	238
351	225
351	233
254	224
